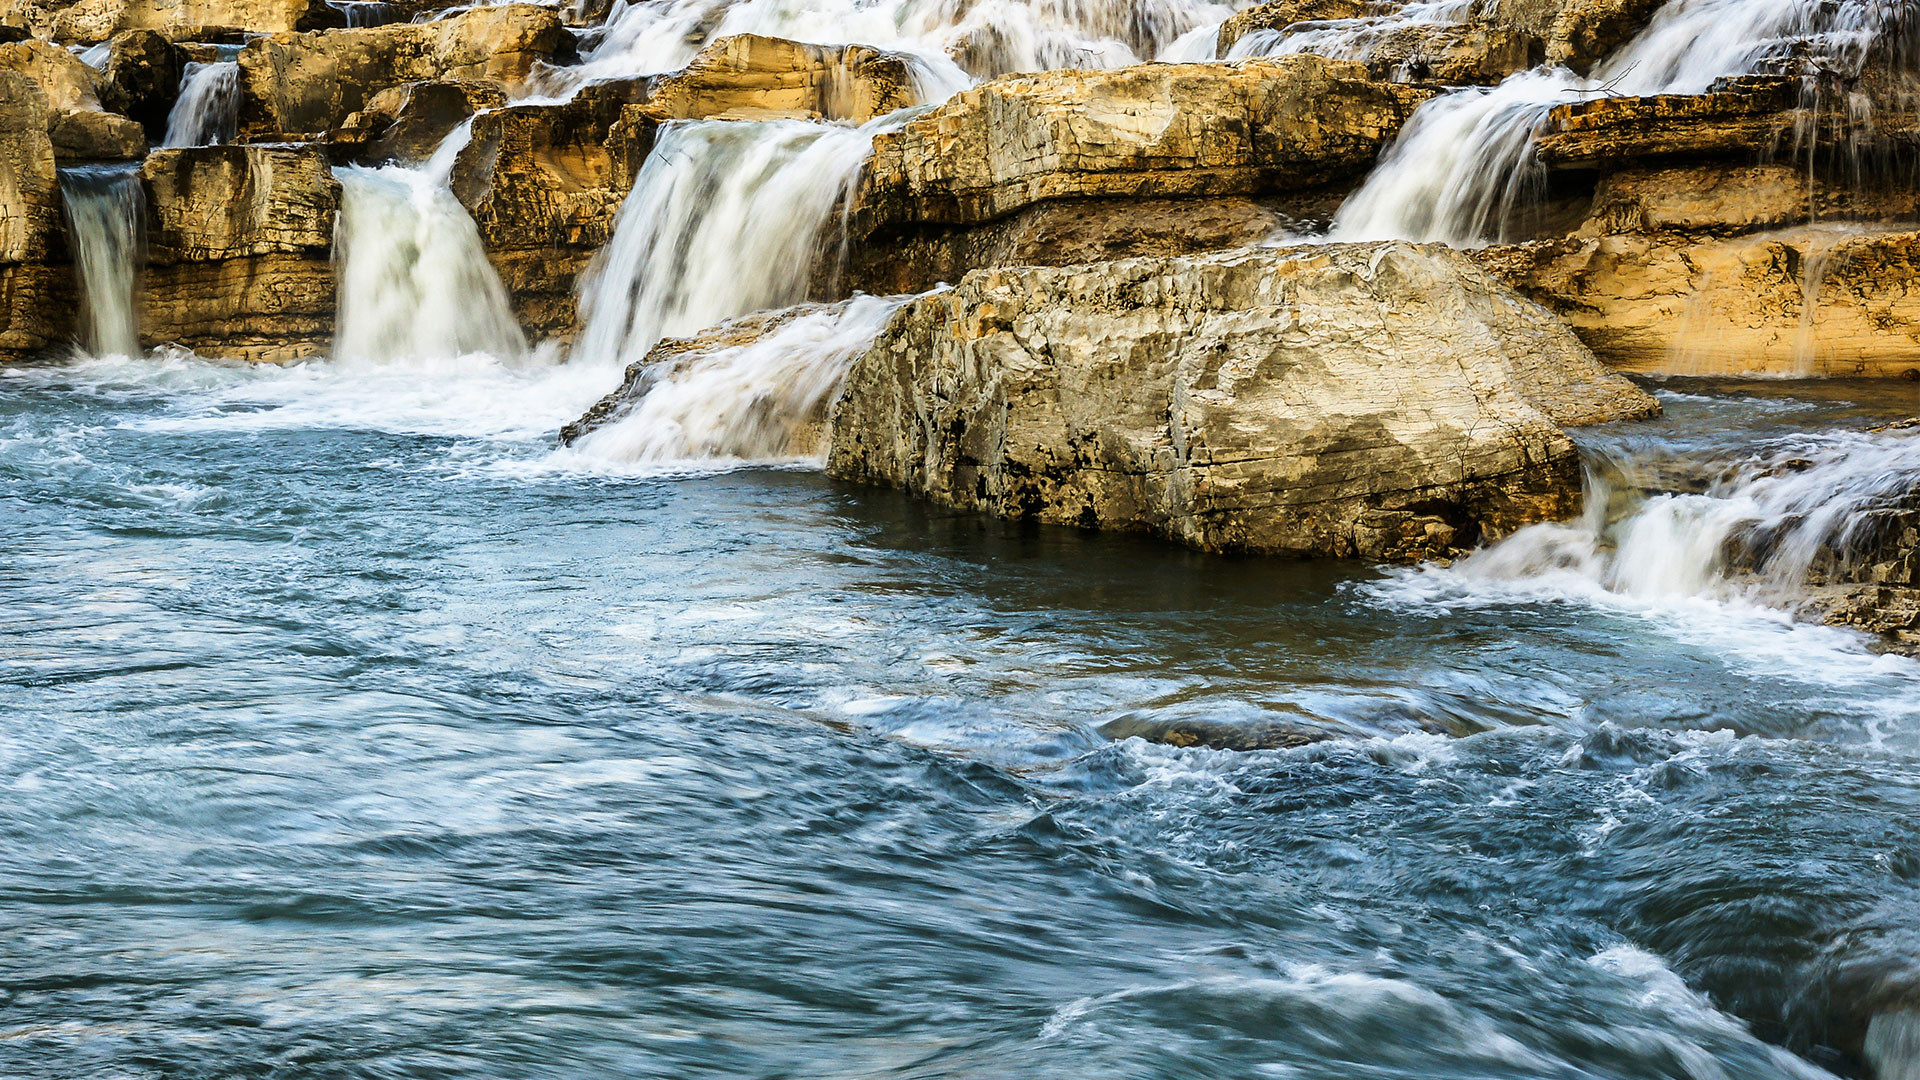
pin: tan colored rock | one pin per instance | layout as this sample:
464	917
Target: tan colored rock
544	184
1280	14
1459	54
303	85
1385	401
90	21
1577	33
30	308
92	135
1153	131
407	123
1810	300
749	76
79	127
142	79
239	241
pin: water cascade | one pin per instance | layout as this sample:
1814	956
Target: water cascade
105	209
1462	168
1348	39
762	401
208	106
993	37
725	218
361	13
1758	531
415	283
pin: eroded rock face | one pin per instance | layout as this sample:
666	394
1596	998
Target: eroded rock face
303	85
142	79
239	250
1577	33
407	123
749	76
29	220
1280	14
90	21
1384	401
1157	130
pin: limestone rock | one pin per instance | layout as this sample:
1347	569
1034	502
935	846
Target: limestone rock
142	79
1385	401
1156	130
1459	54
749	75
1577	33
79	127
29	220
303	85
239	241
544	184
1280	14
91	21
407	123
1693	304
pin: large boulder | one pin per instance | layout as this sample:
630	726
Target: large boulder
303	85
141	79
80	128
1384	401
1577	33
239	246
29	220
749	76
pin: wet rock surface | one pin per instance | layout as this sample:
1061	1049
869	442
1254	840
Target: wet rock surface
1381	401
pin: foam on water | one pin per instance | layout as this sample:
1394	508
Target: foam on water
208	106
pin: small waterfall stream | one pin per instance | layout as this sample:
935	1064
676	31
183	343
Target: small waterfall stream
208	106
415	282
105	211
725	218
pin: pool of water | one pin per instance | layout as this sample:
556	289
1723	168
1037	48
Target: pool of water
353	731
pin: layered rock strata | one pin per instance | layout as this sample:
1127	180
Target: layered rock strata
239	251
1297	125
30	229
1378	401
80	127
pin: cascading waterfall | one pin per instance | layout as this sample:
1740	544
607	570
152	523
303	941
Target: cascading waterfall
725	218
362	13
991	37
105	210
1348	39
762	401
415	283
208	106
1754	533
1462	166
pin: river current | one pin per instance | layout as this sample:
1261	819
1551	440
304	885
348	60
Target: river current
354	731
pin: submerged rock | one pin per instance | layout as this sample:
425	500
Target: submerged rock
1383	401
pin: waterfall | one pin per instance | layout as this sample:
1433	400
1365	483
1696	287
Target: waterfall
1463	164
725	218
763	401
415	283
106	211
208	106
361	13
988	37
1755	532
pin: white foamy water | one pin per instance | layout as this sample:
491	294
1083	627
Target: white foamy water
1723	568
725	218
762	401
415	282
1462	167
209	103
105	210
985	38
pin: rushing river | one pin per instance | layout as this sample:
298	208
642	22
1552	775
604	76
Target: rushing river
353	731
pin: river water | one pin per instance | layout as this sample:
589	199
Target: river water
354	731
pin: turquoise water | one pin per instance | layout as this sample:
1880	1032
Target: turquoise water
351	731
